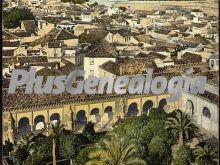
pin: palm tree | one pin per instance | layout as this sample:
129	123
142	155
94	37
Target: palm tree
205	153
115	151
26	142
180	125
54	131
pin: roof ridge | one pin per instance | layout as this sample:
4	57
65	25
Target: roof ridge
58	34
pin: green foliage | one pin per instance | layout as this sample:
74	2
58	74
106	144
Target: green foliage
115	150
68	146
205	154
7	147
42	148
13	19
19	155
180	124
183	156
159	151
82	157
89	132
149	134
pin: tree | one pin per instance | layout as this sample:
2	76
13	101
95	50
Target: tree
23	148
19	154
82	157
26	141
115	150
7	147
205	154
54	131
68	146
183	156
42	151
159	151
180	125
145	131
13	19
89	131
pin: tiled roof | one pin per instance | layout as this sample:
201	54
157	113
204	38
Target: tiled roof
111	67
55	44
7	60
8	53
29	25
158	48
8	36
64	35
54	34
191	57
22	34
103	49
11	43
32	59
120	20
46	72
123	33
151	56
68	68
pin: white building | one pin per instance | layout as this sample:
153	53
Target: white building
113	10
197	13
214	62
87	17
204	111
97	56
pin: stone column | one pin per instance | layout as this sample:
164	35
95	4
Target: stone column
140	108
70	118
101	115
32	121
114	115
11	128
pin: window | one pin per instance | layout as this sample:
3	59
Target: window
212	63
91	60
190	107
91	72
55	52
206	112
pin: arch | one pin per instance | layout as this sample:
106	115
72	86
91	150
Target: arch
132	110
147	106
39	122
162	104
108	110
206	112
190	107
23	125
81	117
95	111
55	117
